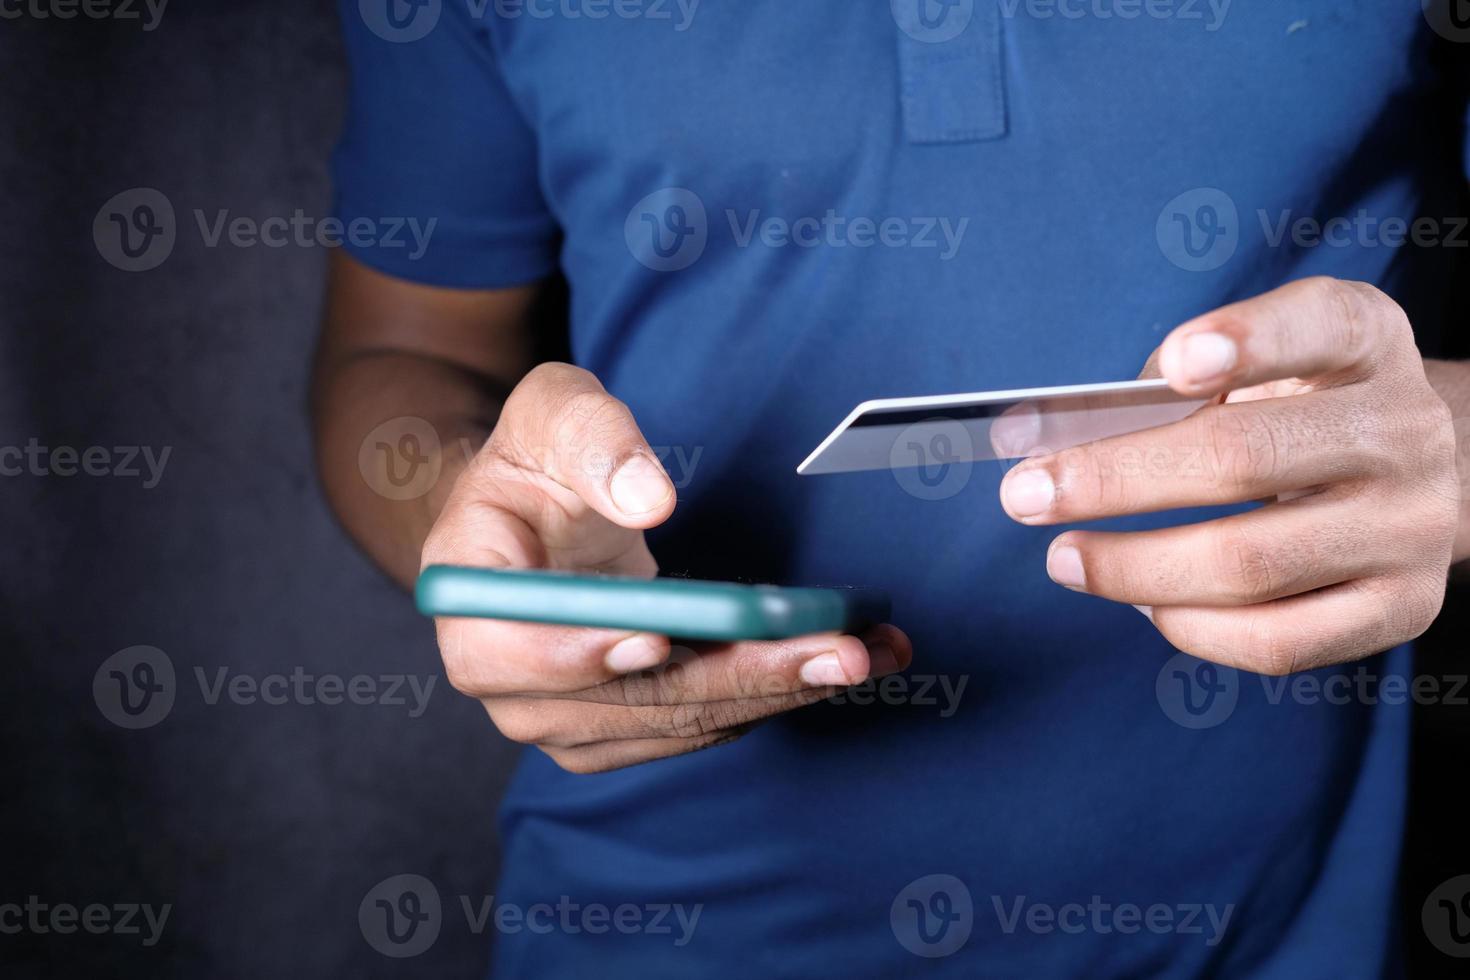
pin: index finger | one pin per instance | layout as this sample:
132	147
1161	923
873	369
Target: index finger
491	657
760	669
1328	330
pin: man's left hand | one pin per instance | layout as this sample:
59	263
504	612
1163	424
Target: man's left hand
1326	416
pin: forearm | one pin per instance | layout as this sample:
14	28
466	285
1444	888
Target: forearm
386	491
1451	380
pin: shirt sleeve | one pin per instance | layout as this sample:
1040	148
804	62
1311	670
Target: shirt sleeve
432	136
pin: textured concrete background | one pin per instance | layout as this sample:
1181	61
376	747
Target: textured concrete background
264	826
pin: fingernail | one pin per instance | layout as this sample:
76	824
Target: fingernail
634	653
1064	565
1027	493
1148	612
640	486
824	670
1207	356
881	660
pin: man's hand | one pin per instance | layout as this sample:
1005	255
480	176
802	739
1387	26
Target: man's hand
566	481
1328	417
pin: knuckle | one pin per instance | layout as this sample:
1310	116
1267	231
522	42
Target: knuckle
437	545
1269	650
1415	610
1089	484
1372	444
519	724
1249	449
1183	633
689	721
553	376
1366	317
1274	657
541	384
459	677
751	677
577	762
587	420
460	668
1247	570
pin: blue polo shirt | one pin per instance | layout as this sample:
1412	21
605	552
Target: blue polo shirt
770	210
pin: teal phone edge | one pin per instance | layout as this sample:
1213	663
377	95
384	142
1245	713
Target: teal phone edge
690	609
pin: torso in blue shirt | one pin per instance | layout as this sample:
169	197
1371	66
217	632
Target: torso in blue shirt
1062	190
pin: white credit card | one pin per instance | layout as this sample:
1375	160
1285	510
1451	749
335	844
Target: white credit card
895	433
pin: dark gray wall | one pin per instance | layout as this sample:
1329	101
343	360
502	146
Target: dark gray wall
263	826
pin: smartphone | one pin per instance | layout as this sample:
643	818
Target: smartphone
681	608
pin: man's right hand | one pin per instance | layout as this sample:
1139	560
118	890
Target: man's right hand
567	481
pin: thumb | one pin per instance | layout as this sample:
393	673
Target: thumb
1151	366
561	421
